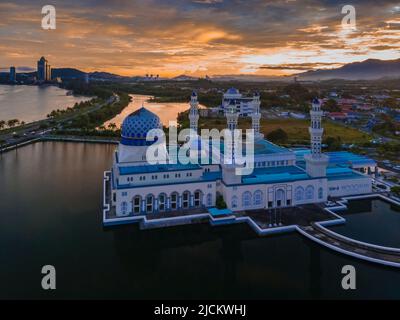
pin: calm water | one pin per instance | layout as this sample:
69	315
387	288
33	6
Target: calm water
380	223
31	103
50	209
168	112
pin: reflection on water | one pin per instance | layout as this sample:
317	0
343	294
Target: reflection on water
50	209
31	103
167	112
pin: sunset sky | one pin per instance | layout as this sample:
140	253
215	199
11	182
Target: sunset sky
197	37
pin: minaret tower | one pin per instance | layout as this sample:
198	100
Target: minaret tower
316	162
255	117
229	175
194	112
232	117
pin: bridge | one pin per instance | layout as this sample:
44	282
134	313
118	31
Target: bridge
362	250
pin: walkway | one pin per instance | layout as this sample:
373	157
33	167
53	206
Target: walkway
377	254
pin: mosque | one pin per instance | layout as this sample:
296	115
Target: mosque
281	177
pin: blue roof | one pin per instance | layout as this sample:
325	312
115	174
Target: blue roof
219	212
157	168
340	158
262	147
212	176
342	174
276	174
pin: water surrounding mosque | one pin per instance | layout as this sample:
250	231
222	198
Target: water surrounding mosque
167	112
31	103
380	223
50	207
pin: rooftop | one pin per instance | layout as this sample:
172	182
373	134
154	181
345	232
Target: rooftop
277	174
157	168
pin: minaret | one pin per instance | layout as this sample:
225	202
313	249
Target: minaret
255	117
316	162
232	117
194	112
229	175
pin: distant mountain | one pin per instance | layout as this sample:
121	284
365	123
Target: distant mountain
67	73
184	77
370	69
249	78
105	76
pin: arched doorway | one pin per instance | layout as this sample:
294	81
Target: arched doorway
280	198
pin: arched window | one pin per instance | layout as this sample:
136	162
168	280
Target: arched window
299	194
234	202
246	199
124	208
149	204
185	199
320	193
309	193
197	198
137	202
258	198
162	199
174	201
209	200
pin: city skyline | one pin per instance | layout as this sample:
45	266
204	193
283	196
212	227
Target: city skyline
197	37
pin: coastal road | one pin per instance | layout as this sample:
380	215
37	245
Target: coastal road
34	130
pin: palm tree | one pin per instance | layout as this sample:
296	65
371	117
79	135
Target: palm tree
112	126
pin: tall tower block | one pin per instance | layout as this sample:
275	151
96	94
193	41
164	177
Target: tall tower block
316	162
194	112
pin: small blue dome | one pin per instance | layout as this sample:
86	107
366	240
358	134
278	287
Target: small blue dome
232	91
194	94
315	101
136	126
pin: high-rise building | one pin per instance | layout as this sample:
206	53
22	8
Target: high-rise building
13	74
43	70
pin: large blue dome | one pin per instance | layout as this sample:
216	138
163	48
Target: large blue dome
136	126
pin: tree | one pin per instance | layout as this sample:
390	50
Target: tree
331	106
2	124
12	123
395	190
278	136
333	144
220	203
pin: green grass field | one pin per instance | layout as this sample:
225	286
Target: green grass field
297	130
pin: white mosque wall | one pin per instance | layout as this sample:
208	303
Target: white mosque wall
349	187
259	196
207	189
